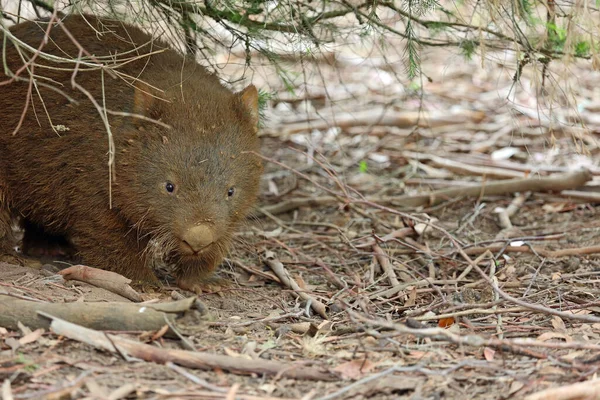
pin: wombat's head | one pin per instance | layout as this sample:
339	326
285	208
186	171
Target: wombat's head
189	187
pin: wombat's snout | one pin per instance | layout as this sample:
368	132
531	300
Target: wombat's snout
197	238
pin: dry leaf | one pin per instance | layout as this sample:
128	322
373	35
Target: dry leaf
412	297
575	354
300	282
489	353
553	207
32	336
554	335
551	370
515	386
556	276
558	324
354	369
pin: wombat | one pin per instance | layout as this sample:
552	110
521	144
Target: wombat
186	170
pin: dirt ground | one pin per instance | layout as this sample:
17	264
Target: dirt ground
407	288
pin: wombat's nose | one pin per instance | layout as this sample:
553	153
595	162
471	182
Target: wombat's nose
198	237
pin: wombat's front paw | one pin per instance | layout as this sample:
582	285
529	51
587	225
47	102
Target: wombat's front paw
200	286
14	259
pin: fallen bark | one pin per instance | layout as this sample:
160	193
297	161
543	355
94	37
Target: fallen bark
239	365
101	316
108	280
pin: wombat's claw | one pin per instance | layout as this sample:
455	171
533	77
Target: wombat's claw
190	285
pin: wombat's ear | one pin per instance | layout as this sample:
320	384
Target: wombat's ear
249	100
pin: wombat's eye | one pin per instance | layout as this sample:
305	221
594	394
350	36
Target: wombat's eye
230	192
170	187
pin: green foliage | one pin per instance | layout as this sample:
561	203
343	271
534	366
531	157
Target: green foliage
269	344
582	49
556	36
254	7
414	86
412	50
525	10
415	8
468	48
28	365
263	99
436	27
362	167
266	27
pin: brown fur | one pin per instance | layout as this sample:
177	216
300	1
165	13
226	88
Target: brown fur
60	181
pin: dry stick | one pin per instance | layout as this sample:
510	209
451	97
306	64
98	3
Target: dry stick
122	392
464	274
253	271
406	119
515	205
6	390
287	280
494	278
396	234
410	282
130	317
108	280
506	296
18	43
463	168
420	283
200	360
581	195
386	265
455	314
554	183
476	340
530	249
197	380
576	391
293	204
534	184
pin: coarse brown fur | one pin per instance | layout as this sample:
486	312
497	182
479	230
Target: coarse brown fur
59	180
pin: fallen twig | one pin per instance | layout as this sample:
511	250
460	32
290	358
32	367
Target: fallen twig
397	234
287	280
466	169
517	345
506	296
388	268
515	205
555	183
200	360
380	116
577	391
535	250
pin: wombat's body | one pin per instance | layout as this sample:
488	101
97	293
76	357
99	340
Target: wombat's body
178	193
